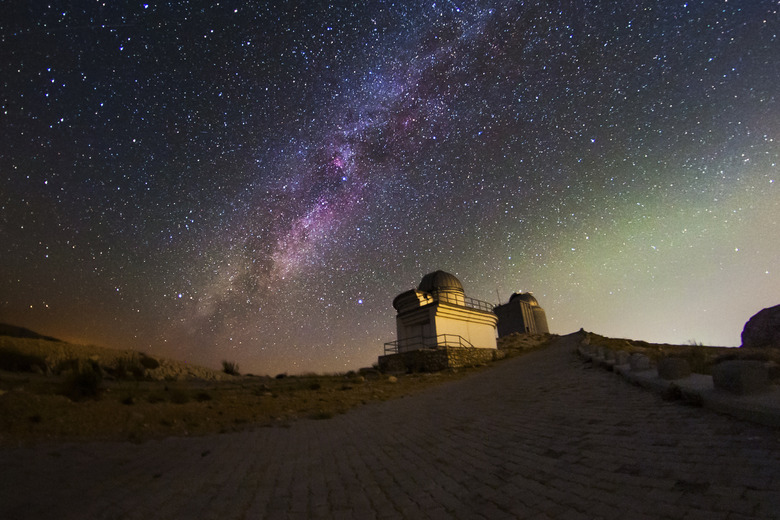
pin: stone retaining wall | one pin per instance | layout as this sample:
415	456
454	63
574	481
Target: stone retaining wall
434	360
469	357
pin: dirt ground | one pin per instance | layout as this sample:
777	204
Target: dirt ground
40	407
35	408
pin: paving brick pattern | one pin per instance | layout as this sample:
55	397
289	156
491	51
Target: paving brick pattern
541	436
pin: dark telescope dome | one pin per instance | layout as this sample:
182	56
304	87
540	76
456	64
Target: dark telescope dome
525	297
440	281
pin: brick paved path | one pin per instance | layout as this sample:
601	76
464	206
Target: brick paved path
534	437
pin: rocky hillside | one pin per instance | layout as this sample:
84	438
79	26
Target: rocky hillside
22	350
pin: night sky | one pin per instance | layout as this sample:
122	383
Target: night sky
256	182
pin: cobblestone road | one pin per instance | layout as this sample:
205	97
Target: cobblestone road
541	436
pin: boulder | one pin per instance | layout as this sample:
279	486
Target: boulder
621	357
639	362
763	329
671	368
741	376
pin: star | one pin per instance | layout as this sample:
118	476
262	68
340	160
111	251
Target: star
258	183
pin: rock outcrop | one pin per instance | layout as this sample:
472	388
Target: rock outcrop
763	329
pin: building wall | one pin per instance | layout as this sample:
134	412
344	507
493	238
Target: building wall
515	316
540	320
480	335
477	327
414	324
520	316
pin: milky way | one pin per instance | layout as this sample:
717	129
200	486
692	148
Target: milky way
257	182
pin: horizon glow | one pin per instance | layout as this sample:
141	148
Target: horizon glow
256	184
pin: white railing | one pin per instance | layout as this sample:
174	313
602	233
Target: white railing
463	301
427	342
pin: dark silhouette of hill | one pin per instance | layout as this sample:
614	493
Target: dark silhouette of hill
20	332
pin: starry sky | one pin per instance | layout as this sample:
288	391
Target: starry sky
256	181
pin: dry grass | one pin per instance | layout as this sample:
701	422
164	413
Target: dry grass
35	407
46	405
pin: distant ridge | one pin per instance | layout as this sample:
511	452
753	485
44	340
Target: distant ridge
51	354
21	332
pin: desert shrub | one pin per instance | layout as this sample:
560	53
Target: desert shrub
756	356
67	365
322	415
85	381
149	362
128	367
315	386
725	357
751	356
698	359
262	389
230	367
179	396
202	396
370	373
672	393
154	398
281	376
16	361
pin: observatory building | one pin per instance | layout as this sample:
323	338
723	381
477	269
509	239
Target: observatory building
438	326
521	314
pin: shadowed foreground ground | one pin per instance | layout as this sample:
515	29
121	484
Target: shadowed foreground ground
537	436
